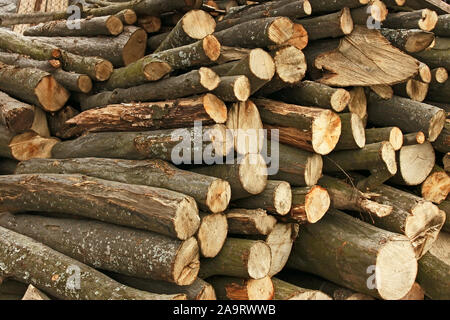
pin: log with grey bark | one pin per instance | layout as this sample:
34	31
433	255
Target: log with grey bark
439	92
30	261
250	222
143	207
434	57
319	250
238	288
324	6
392	134
424	19
105	246
191	83
409	40
408	115
442	143
212	233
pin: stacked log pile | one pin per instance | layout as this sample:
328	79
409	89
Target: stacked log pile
239	150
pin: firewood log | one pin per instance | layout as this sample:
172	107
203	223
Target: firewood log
276	198
15	115
309	204
233	288
233	88
287	291
250	222
442	26
445	207
439	91
211	194
166	212
414	138
127	16
96	244
58	126
414	89
408	115
434	57
409	40
392	134
434	268
439	75
25	146
436	187
242	258
373	13
149	23
323	6
106	25
49	270
424	19
299	38
352	132
212	233
352	267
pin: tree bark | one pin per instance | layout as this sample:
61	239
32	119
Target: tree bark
15	115
409	40
434	57
212	233
53	272
332	248
424	19
442	143
166	212
137	253
392	134
233	288
58	126
326	6
439	91
287	291
250	222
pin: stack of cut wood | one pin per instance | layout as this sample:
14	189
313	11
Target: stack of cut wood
109	191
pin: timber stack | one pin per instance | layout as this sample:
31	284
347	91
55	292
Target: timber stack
187	149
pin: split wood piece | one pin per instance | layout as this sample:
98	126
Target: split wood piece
34	293
352	132
415	163
318	250
30	145
211	194
416	293
33	86
244	123
191	83
15	115
439	75
198	290
309	204
276	198
347	197
95	26
413	89
414	138
392	134
153	115
329	289
383	91
434	57
128	251
424	19
258	33
290	68
233	88
212	233
409	116
70	80
120	50
298	167
47	269
442	27
11	289
363	47
434	268
332	25
127	16
232	288
258	66
155	66
408	40
442	143
58	126
445	207
8	166
273	9
439	91
317	129
195	25
247	175
287	291
324	6
299	38
250	222
154	209
419	220
315	94
371	15
436	187
150	24
242	258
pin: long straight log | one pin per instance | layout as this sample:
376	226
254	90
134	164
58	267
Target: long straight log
250	222
103	246
51	271
143	207
233	288
333	249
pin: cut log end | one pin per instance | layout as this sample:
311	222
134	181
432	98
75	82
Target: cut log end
215	108
212	234
155	70
290	64
280	30
30	145
313	170
187	263
259	260
85	84
198	24
187	220
358	130
218	196
429	20
388	156
242	88
208	293
416	89
51	95
135	47
283	198
129	16
103	70
326	130
253	173
436	187
114	25
222	141
346	21
396	269
261	64
440	75
425	73
436	125
317	203
208	78
307	8
261	289
340	99
211	47
358	102
418	41
378	10
416	163
396	138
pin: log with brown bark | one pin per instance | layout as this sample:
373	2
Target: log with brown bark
25	146
250	222
318	250
233	88
309	204
132	252
234	288
212	233
439	92
159	210
287	291
53	272
15	115
392	134
436	186
409	40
